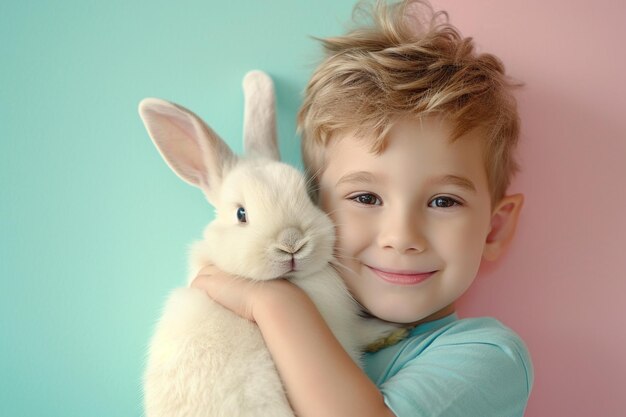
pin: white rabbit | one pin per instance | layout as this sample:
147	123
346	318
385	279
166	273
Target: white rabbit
203	360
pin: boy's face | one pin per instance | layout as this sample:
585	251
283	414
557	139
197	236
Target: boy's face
411	222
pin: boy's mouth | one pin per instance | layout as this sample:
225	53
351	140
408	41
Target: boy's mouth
401	277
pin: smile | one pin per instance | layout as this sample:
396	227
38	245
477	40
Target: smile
402	278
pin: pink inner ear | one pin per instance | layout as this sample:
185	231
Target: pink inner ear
185	158
177	139
178	118
187	127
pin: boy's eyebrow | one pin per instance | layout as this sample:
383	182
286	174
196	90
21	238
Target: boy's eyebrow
358	177
453	180
449	179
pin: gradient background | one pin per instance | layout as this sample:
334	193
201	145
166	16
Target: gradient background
94	226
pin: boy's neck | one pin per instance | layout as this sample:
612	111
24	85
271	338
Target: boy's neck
401	333
444	312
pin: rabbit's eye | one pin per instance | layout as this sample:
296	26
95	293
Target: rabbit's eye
241	215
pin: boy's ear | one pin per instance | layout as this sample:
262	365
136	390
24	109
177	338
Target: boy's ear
503	224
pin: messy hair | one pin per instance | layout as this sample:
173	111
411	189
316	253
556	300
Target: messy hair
408	60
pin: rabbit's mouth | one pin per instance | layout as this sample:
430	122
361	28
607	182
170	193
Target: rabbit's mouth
290	265
295	266
289	268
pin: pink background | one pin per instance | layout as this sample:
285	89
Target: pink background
562	286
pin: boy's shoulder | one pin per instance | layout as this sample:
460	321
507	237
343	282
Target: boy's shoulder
460	343
472	366
478	336
482	330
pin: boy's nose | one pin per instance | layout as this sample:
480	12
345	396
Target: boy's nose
402	233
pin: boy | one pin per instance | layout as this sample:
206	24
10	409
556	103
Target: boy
409	136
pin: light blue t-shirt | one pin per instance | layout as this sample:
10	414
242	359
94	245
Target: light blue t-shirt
451	367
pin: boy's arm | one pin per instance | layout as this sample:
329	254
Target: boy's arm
321	379
319	376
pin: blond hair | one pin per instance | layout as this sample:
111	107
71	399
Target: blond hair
409	61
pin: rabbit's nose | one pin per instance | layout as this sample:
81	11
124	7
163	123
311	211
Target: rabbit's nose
290	240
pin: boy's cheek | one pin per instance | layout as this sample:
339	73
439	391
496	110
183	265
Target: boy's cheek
325	202
352	228
459	243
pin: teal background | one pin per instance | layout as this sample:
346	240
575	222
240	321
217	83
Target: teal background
93	225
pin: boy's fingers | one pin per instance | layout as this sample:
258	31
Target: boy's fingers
207	270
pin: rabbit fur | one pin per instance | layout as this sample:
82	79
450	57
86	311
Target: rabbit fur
203	360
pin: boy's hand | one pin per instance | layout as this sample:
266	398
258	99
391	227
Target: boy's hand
241	296
301	344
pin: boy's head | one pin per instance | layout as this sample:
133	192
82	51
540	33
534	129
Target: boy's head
408	61
408	137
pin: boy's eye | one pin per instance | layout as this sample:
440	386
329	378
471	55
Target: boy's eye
444	202
367	199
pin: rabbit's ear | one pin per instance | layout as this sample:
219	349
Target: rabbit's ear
190	147
259	121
